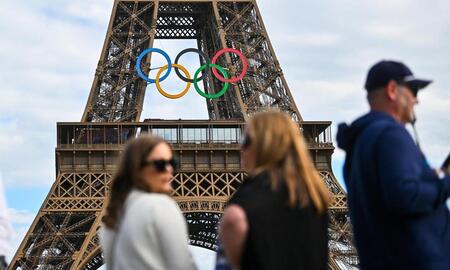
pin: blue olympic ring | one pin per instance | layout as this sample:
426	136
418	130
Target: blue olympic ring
139	61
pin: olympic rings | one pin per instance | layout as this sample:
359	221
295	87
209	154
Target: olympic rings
187	77
144	53
244	65
202	54
164	93
218	94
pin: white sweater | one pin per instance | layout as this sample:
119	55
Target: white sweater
151	235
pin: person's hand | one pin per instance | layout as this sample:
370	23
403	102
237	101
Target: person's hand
447	170
441	173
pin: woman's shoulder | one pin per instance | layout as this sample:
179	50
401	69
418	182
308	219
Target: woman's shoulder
256	181
253	187
104	231
106	236
140	195
150	201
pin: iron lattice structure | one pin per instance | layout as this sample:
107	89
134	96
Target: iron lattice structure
64	233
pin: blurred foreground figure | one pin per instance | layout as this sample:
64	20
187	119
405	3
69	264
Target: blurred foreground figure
396	201
143	228
278	218
5	227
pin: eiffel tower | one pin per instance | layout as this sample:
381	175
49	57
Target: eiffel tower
64	233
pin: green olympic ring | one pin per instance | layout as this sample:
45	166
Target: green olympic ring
218	94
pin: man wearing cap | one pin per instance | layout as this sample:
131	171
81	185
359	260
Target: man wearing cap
397	203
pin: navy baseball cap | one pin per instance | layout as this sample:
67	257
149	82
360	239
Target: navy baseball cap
382	72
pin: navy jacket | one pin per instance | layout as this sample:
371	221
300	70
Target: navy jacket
397	204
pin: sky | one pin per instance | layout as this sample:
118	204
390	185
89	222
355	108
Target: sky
49	52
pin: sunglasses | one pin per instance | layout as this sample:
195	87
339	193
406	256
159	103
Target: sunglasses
246	142
160	164
410	88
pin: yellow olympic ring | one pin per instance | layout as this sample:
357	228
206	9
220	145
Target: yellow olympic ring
164	93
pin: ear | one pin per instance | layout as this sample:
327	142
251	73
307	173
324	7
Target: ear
391	90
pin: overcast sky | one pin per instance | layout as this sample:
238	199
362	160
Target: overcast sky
49	51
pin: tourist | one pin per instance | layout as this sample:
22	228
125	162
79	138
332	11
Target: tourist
397	203
277	219
143	228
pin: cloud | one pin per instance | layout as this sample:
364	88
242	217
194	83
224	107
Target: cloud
325	52
21	222
46	75
309	39
49	55
21	217
93	13
327	81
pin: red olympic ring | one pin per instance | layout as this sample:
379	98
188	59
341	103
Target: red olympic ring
244	65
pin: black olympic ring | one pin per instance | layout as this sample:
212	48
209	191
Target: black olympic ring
202	54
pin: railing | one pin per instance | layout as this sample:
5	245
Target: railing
189	134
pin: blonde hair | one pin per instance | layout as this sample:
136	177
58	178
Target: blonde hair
280	149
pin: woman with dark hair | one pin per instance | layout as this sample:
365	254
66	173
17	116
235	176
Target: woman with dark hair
278	218
143	228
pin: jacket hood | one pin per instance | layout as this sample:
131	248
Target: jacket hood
347	134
